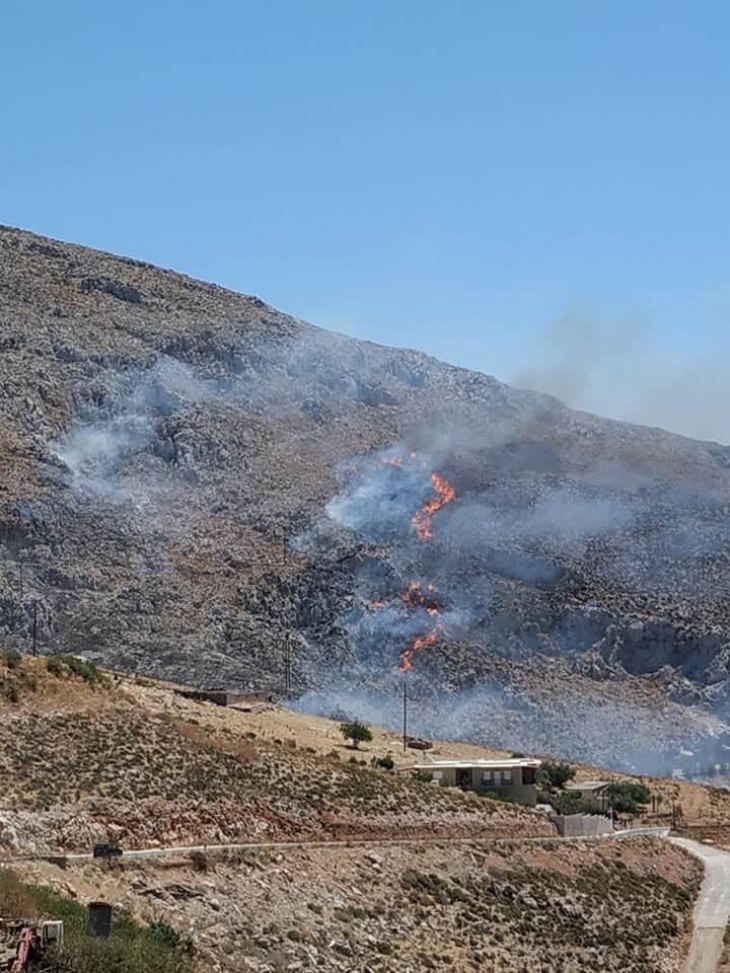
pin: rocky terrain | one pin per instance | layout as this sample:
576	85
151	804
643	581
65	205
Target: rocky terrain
196	486
88	756
510	909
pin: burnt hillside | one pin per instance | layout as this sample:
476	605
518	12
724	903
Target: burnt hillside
198	486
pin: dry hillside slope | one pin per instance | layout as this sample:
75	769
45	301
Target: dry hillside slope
88	756
104	758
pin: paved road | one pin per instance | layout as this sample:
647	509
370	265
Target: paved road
712	910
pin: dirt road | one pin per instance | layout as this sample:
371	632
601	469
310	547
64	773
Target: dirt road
70	858
712	910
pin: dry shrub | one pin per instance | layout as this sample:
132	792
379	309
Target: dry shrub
16	900
234	746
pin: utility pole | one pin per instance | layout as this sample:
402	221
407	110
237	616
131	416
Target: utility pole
21	582
35	628
287	667
405	716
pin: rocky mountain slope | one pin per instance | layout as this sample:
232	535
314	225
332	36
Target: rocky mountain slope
197	486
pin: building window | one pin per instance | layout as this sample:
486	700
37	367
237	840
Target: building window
507	777
528	775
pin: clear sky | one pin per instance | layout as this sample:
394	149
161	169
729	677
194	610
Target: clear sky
519	187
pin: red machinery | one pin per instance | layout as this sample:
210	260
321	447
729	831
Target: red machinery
28	948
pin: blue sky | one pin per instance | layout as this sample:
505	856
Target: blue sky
461	177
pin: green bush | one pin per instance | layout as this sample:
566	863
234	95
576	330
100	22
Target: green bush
54	664
569	802
167	934
10	690
131	948
59	665
357	732
555	775
11	658
565	802
386	763
626	796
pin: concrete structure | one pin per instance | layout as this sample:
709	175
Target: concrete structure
592	792
226	697
583	825
712	909
511	778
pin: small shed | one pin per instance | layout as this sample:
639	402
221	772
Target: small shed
591	792
227	697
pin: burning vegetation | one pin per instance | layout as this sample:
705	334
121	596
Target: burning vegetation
443	493
420	597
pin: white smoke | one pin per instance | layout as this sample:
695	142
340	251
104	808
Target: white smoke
95	447
623	369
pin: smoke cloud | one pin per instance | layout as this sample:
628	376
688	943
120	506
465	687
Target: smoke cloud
123	423
522	516
622	369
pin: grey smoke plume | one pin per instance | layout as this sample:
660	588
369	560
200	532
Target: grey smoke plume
616	733
622	369
519	516
526	531
105	434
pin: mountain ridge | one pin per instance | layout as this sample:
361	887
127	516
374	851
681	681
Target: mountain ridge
198	485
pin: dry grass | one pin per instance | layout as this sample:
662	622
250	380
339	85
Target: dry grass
134	761
154	765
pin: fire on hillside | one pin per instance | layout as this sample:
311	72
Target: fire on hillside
417	595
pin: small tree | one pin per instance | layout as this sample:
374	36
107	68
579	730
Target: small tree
357	732
567	802
627	795
555	774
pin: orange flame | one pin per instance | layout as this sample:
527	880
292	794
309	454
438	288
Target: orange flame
443	493
422	642
414	597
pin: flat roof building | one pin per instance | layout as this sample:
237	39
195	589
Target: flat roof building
514	778
591	792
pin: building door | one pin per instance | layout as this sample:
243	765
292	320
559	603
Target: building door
463	777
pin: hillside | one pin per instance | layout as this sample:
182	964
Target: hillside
508	909
85	760
93	756
196	486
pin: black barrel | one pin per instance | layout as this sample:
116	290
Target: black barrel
100	920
